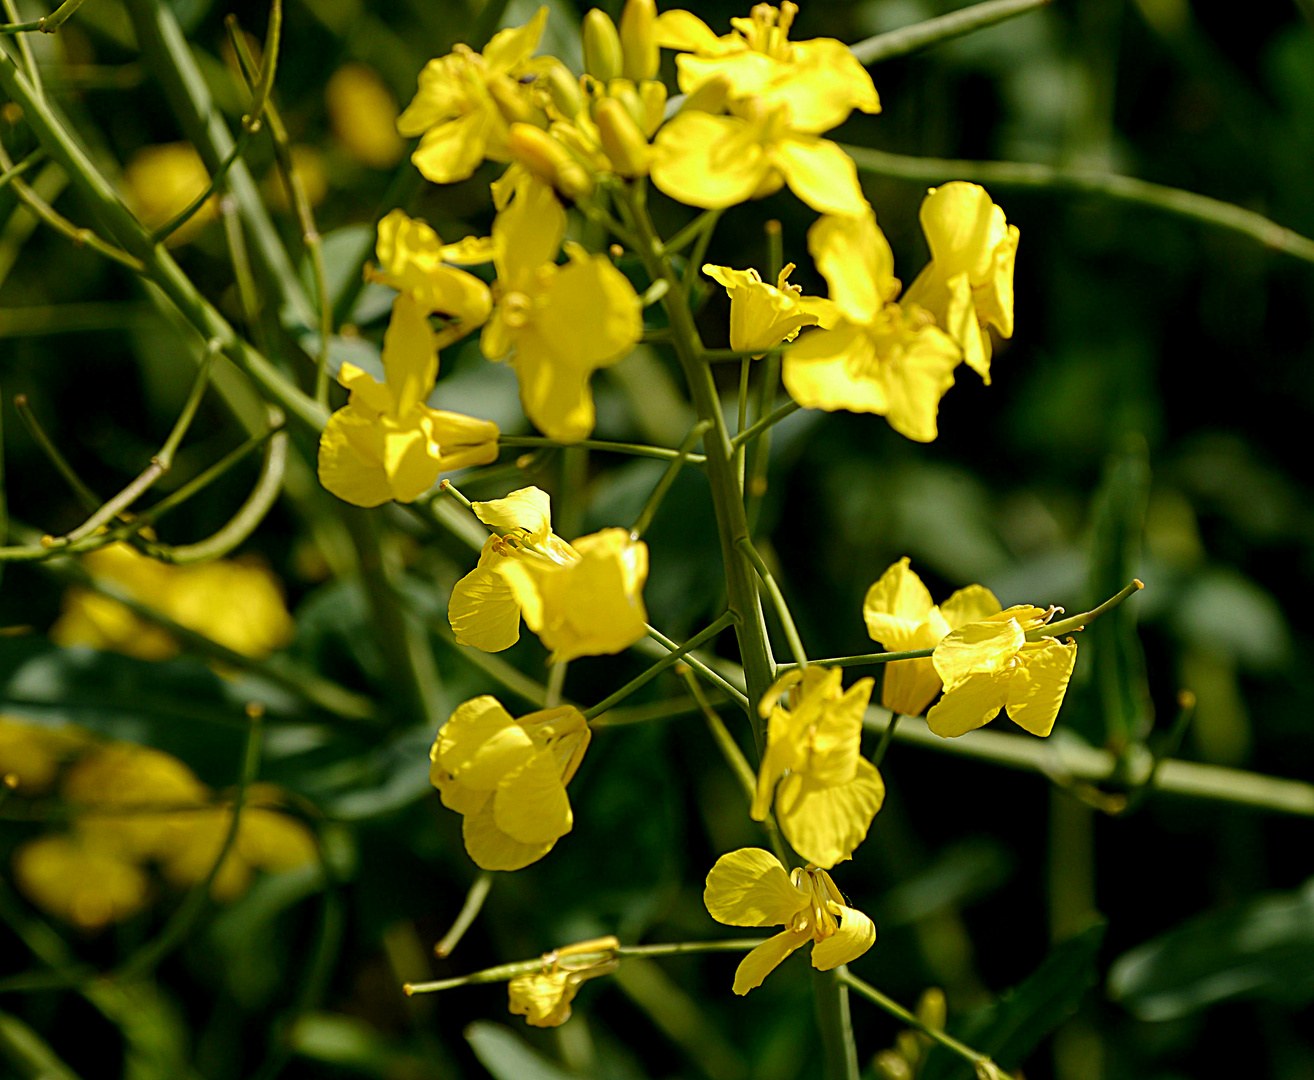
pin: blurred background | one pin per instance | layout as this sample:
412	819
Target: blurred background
1148	419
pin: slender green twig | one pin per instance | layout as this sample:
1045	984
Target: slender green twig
639	681
777	599
703	223
703	669
867	658
25	48
668	478
767	422
47	24
1080	622
922	35
831	1000
768	387
85	495
34	158
474	903
662	453
886	737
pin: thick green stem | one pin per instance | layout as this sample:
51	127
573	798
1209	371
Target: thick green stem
831	998
922	35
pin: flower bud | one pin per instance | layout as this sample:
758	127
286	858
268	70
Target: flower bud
638	37
512	101
547	159
623	90
564	90
602	46
653	96
709	97
622	140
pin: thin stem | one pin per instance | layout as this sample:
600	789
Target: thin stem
777	599
662	453
47	24
699	252
831	998
668	478
766	423
768	387
867	658
922	35
556	683
741	419
474	903
448	488
33	158
1169	200
189	211
665	662
1080	622
703	669
85	495
886	737
703	223
193	402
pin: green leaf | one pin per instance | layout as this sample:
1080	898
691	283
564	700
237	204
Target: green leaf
1263	948
508	1057
1011	1028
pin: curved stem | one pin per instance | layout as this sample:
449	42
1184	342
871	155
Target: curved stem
708	673
474	903
662	453
778	601
668	478
922	35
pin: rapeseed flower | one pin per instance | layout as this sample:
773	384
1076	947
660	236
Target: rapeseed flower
901	616
363	115
77	880
762	315
826	792
749	887
544	997
991	665
968	284
387	443
872	355
162	181
33	753
508	778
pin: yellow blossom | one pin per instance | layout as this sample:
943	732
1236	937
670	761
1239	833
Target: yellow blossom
387	443
508	778
968	284
237	603
873	355
901	617
820	81
762	315
749	887
79	881
719	161
581	599
990	665
163	180
33	753
462	104
826	792
544	997
363	115
559	323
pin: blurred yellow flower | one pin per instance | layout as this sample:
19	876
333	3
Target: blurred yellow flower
749	887
901	617
990	665
76	880
581	599
466	102
871	355
308	163
363	115
508	778
560	323
237	603
968	284
386	443
33	753
762	315
826	792
165	179
819	81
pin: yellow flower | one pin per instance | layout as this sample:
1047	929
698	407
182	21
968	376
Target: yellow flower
236	603
363	115
749	887
762	315
387	443
461	107
543	998
872	355
79	881
990	665
819	80
581	599
968	284
719	161
34	752
559	322
508	778
826	792
414	260
901	617
164	180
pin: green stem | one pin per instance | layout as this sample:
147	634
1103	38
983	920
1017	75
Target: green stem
922	35
474	903
662	453
18	170
704	222
1080	622
741	420
831	999
665	662
867	658
668	478
703	669
767	422
767	388
778	601
1017	174
47	24
886	737
46	444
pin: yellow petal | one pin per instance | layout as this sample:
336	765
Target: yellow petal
456	796
822	84
855	259
527	508
410	359
480	743
856	934
1036	689
453	149
528	232
821	174
963	227
677	29
749	887
971	604
411	259
483	611
835	735
368	396
763	960
591	313
531	805
708	161
410	459
968	704
544	997
908	686
832	369
979	647
896	603
515	45
824	823
442	93
918	371
462	440
492	849
351	459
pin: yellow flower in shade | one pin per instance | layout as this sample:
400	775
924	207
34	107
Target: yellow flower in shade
33	753
508	778
544	997
234	602
762	315
819	80
749	887
559	323
873	355
79	881
414	260
901	617
581	599
387	443
719	161
466	101
826	792
990	665
164	180
363	115
968	284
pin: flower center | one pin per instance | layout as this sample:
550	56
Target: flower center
516	309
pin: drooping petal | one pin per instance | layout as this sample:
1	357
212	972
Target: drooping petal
918	372
963	227
531	803
369	397
836	734
1036	689
351	459
543	998
453	149
483	611
825	822
749	887
855	259
528	232
462	440
978	647
410	459
763	960
821	174
971	604
896	603
411	259
480	743
708	161
492	849
968	704
831	369
591	313
856	934
908	686
527	508
678	29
